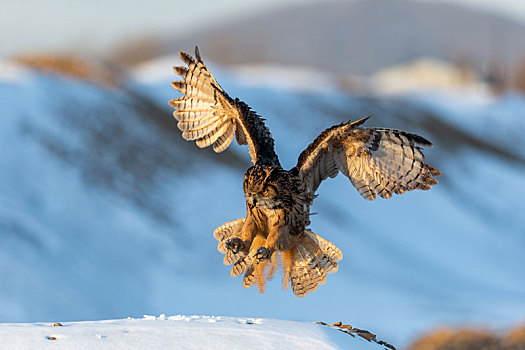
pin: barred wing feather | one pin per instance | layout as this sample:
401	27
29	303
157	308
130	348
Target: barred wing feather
208	116
377	161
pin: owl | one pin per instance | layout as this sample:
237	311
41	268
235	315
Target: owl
274	233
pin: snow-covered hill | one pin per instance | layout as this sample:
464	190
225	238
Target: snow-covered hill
105	212
181	332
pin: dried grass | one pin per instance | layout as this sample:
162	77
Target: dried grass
471	339
71	66
518	77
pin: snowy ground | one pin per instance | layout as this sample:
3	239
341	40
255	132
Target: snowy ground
179	332
105	212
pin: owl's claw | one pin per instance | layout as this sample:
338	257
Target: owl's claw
234	244
263	254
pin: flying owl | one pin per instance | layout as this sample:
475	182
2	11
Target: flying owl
378	162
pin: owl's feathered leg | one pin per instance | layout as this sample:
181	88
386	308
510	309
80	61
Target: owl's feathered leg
252	240
253	269
241	242
277	239
261	267
243	264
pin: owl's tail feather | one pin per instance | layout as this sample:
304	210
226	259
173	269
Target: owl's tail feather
307	264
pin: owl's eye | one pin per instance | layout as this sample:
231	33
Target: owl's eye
269	191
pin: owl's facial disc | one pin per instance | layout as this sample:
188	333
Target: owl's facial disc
265	198
261	188
261	202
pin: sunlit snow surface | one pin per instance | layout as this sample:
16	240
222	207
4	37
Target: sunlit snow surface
106	214
179	332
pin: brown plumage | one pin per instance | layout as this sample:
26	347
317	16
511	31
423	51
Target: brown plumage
377	162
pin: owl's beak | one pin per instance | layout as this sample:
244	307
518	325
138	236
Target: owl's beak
251	200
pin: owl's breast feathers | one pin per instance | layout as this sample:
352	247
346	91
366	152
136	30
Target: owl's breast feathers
288	207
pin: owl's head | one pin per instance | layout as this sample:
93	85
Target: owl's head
267	187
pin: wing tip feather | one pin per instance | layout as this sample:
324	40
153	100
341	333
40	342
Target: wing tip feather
176	116
420	140
178	85
186	58
198	54
182	71
434	172
360	121
176	102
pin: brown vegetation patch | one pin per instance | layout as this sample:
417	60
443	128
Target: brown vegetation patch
471	339
518	77
348	329
71	66
515	339
137	51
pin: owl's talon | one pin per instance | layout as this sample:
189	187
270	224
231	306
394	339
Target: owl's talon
234	244
262	254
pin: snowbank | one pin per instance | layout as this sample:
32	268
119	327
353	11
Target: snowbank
179	332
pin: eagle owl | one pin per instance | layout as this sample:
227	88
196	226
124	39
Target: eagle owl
378	162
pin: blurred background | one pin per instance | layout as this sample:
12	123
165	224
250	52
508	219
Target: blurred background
105	212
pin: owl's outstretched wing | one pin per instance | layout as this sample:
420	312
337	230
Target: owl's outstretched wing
377	161
207	115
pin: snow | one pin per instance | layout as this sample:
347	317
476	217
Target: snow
108	213
12	72
288	78
498	119
181	332
426	73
